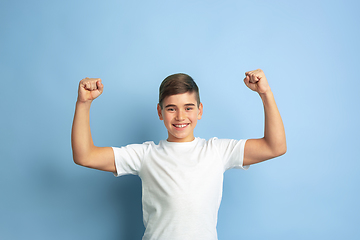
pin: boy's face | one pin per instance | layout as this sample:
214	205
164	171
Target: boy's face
180	114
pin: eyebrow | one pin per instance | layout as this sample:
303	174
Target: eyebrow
186	105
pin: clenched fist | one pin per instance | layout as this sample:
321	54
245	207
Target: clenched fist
256	81
89	89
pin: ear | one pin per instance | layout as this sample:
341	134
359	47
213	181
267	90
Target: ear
200	111
159	112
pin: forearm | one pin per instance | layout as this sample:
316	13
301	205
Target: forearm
81	139
274	132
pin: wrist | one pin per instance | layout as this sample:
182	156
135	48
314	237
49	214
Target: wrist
83	103
266	93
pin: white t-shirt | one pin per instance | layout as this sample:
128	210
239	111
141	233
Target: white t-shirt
181	184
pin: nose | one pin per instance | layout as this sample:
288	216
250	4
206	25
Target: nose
180	116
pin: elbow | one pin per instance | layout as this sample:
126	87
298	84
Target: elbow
84	158
77	161
280	150
277	150
81	161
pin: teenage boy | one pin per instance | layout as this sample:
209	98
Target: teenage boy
182	177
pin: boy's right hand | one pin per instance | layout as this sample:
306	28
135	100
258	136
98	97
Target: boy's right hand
89	89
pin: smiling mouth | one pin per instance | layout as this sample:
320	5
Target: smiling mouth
180	125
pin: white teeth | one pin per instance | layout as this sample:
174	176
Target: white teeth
181	126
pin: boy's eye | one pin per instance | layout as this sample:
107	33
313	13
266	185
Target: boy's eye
189	109
171	109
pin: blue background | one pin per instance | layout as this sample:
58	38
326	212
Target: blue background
309	51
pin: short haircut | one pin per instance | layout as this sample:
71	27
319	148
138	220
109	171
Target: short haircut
177	84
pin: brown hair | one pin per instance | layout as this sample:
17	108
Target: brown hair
177	84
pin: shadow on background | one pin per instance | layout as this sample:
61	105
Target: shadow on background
126	200
126	191
45	195
74	203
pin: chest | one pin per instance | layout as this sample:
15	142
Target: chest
175	173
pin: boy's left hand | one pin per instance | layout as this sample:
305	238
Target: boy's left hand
256	81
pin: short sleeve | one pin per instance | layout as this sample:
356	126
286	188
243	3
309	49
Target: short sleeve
231	152
128	159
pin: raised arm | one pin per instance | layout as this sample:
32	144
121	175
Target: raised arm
273	144
84	151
